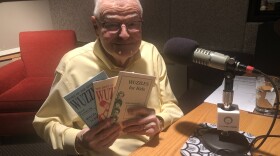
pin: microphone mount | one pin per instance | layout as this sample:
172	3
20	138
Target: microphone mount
222	140
186	51
228	89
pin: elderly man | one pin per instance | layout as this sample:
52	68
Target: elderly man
119	46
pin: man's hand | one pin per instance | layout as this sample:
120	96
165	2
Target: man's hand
145	122
99	137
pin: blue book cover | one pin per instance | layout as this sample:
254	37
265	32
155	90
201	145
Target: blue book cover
82	100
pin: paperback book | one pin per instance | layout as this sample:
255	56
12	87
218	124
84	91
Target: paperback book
132	89
104	91
82	100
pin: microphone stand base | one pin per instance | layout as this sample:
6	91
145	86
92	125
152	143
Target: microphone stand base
231	143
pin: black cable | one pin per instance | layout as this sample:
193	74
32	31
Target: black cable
264	137
228	152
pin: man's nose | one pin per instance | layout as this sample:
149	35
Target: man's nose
124	32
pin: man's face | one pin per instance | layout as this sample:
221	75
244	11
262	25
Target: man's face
119	28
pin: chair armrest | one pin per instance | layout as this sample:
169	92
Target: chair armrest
11	74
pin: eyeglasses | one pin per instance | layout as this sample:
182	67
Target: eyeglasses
114	27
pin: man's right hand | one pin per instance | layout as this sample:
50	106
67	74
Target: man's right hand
99	137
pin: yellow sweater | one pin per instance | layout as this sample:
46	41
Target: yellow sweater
58	124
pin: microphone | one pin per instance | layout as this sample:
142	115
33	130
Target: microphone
225	137
180	50
186	51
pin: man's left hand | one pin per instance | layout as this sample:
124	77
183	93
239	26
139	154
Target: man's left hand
144	123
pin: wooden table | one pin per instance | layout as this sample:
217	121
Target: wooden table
170	141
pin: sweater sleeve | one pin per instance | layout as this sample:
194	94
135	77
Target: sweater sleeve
55	121
170	112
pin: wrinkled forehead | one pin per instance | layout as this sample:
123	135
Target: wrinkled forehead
119	8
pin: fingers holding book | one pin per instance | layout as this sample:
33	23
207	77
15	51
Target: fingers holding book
99	137
145	122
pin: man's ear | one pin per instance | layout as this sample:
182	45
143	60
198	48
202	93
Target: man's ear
95	26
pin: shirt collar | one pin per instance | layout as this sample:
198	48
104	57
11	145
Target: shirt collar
99	51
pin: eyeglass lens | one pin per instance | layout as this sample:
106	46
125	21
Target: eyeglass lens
133	26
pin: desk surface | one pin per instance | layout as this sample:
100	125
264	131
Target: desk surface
169	142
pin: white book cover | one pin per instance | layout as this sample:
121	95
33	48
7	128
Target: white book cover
82	100
104	91
132	89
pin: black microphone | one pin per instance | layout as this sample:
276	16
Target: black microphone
180	50
186	51
216	139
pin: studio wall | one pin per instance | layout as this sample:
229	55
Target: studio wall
215	24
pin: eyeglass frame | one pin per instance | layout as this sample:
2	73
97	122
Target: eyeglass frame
119	25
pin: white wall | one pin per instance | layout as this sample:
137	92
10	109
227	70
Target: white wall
22	16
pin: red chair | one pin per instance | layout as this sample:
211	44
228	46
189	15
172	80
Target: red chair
25	83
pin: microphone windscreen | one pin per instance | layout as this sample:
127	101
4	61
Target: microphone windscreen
180	49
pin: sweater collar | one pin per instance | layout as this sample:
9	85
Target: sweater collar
99	51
